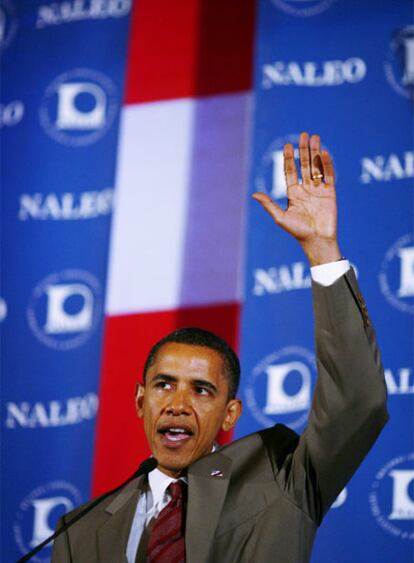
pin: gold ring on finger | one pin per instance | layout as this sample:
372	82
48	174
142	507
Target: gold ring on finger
317	176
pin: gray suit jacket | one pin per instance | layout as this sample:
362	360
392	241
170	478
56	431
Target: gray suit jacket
276	486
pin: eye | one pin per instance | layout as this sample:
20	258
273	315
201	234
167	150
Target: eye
202	391
163	385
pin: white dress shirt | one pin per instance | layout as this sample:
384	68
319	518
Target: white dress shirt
149	505
156	497
327	274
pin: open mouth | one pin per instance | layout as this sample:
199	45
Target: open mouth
173	436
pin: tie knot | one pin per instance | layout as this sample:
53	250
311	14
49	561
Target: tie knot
176	490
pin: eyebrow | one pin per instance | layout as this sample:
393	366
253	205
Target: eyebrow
164	377
194	382
204	383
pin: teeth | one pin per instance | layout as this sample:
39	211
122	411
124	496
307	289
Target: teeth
175	431
177	437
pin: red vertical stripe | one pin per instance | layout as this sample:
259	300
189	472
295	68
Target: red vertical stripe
189	48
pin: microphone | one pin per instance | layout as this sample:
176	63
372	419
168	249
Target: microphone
146	467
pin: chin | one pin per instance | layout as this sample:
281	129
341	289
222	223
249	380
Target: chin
173	459
171	468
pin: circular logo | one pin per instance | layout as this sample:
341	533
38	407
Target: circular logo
392	497
279	388
303	8
65	309
39	512
396	276
8	23
79	107
399	63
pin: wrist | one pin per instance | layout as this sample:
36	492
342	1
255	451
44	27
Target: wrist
322	252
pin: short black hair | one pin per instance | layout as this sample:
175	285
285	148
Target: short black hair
195	336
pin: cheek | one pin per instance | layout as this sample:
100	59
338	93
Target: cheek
211	421
149	418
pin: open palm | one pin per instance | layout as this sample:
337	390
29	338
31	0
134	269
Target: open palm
311	214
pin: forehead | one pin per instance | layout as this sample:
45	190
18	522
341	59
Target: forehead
188	361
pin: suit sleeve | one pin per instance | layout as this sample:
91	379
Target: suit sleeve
349	404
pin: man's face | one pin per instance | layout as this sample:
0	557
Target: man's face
184	404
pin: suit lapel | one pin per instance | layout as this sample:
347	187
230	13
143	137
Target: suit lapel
208	480
112	536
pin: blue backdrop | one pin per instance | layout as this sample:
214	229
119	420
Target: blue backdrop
340	68
345	70
61	92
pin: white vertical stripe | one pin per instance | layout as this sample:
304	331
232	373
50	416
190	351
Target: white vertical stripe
151	202
180	185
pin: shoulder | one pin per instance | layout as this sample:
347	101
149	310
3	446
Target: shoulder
106	503
276	443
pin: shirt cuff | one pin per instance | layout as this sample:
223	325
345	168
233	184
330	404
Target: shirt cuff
327	274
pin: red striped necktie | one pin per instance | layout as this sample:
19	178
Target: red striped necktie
167	538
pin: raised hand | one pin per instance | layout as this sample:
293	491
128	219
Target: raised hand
311	214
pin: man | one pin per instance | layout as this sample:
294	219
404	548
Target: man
261	498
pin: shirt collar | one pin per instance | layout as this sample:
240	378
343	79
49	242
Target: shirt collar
159	482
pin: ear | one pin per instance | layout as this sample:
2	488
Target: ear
139	399
233	412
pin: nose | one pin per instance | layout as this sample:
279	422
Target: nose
178	403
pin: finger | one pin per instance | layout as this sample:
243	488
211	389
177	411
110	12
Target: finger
270	206
291	172
304	157
316	161
328	169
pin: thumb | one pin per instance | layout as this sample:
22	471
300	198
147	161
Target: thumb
276	212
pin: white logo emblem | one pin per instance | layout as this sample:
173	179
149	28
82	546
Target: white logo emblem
391	498
79	107
270	177
280	387
60	321
402	503
399	65
303	8
39	512
327	73
278	401
397	274
69	116
8	23
65	308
